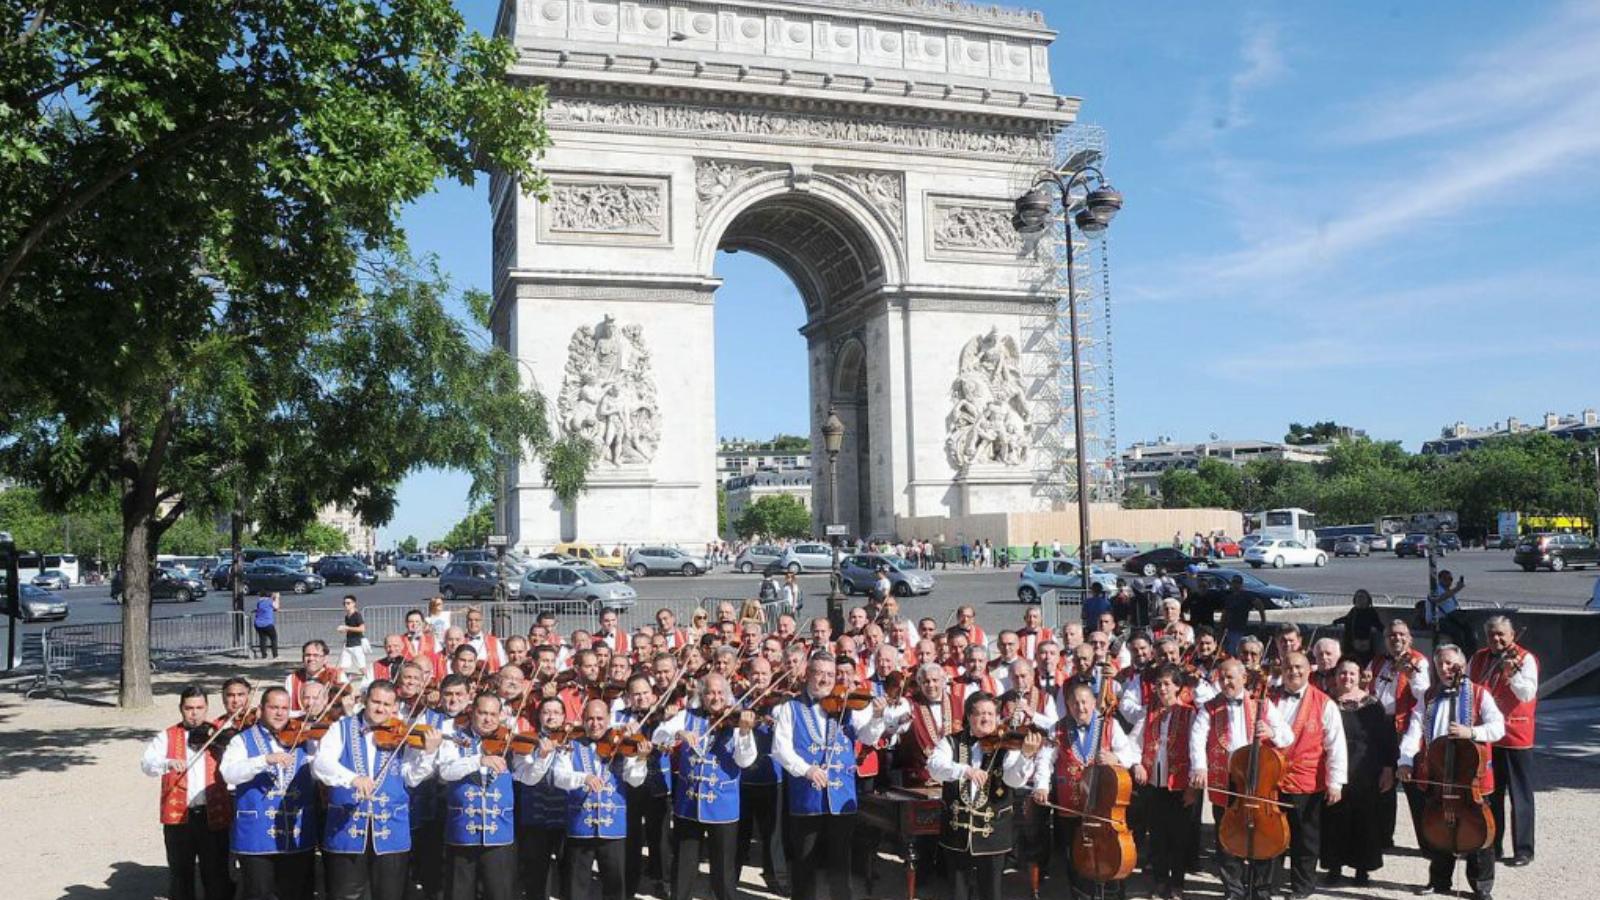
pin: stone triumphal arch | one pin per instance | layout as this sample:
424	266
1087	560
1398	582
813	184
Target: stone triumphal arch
871	150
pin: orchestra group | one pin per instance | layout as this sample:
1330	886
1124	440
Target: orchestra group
465	764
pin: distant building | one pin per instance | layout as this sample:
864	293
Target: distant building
740	457
743	490
1455	438
1143	464
363	538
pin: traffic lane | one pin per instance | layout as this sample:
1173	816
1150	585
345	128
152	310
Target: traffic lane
1491	577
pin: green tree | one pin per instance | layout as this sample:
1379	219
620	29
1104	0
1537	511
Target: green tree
409	544
1186	489
722	510
774	516
313	537
472	531
208	204
1138	498
790	443
1320	433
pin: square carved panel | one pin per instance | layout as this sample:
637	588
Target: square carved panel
597	208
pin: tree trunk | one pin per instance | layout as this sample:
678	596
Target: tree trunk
236	569
136	555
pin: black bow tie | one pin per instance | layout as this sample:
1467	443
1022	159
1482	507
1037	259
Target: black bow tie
1235	702
1293	695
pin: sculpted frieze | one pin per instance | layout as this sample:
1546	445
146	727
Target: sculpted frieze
973	228
884	191
593	208
608	393
988	421
715	179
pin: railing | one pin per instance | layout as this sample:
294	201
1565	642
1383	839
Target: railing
98	646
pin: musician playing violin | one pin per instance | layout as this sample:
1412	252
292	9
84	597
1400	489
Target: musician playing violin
579	692
195	807
649	804
1168	797
762	783
1317	768
541	806
366	838
981	785
1059	771
275	810
1221	727
1510	673
1400	676
1458	708
480	823
928	720
597	812
313	668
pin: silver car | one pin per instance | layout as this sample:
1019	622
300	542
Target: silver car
1352	545
429	564
809	557
567	584
665	560
52	580
478	579
757	557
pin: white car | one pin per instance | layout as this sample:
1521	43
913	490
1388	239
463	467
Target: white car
1278	554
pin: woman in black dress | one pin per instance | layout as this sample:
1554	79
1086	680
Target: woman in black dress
1363	629
1348	836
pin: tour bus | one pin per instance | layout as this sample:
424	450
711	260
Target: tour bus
65	563
1292	524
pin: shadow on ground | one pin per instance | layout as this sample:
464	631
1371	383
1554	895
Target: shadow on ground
127	880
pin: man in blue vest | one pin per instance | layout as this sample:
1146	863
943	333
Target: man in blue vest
649	803
706	765
541	807
817	752
480	823
761	790
274	808
597	812
427	798
366	839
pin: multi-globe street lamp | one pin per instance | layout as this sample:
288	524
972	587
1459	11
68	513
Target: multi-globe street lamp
1035	212
833	442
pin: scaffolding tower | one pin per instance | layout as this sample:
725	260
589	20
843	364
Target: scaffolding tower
1047	339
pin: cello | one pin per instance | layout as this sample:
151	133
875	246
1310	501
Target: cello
1254	827
1455	818
1103	848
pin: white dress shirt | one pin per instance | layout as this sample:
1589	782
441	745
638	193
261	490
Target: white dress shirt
567	778
154	763
238	766
1015	769
1332	735
1044	765
1490	726
868	724
328	768
1386	679
1238	732
744	742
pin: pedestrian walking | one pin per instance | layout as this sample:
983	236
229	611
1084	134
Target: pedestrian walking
266	622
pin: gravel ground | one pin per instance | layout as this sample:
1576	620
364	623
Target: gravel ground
82	822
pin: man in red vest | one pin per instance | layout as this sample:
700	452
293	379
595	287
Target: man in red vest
1400	676
1083	738
1511	676
1163	740
1315	768
1458	708
932	718
195	807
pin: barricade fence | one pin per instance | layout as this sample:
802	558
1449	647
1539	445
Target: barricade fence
98	646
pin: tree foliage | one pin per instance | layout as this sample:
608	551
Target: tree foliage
472	531
408	544
313	537
774	516
1320	433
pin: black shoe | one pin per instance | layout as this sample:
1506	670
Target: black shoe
1333	879
1361	878
1518	861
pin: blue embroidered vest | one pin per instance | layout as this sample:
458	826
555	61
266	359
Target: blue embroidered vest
427	798
602	814
541	805
384	817
765	770
705	781
658	779
276	811
480	809
813	734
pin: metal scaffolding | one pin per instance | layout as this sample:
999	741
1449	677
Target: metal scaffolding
1047	347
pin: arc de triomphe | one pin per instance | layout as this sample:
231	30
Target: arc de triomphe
869	148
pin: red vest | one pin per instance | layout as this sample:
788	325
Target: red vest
912	755
429	647
618	641
1181	718
1404	700
175	793
1217	750
959	690
1305	763
1031	639
1419	763
1485	670
1070	766
489	659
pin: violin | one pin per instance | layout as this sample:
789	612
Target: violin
297	731
1103	848
505	742
841	698
619	742
1254	826
1455	818
397	733
610	691
1007	739
200	736
894	686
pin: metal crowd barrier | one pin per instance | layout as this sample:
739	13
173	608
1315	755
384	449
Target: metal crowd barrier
98	646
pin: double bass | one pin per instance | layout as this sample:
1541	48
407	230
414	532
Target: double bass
1455	818
1254	827
1103	848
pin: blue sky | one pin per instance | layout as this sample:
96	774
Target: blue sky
1379	213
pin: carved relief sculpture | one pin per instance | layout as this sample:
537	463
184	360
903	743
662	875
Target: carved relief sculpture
988	421
984	229
883	190
715	179
608	394
606	208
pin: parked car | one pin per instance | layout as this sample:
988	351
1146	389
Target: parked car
808	557
1382	542
563	584
52	580
859	572
599	556
665	560
165	584
1111	550
1246	542
1162	560
1556	552
345	570
1449	542
477	579
1277	554
1042	575
429	564
1213	585
275	577
39	605
1412	545
1227	548
1352	545
757	556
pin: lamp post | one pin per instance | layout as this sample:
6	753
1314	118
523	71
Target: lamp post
1034	213
833	442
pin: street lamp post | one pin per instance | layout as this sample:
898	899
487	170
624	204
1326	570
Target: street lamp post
1034	212
833	442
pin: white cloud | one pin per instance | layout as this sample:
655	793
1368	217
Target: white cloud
1262	65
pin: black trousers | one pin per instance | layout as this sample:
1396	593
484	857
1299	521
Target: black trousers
427	857
866	840
351	875
1241	878
489	870
276	876
193	845
971	874
648	815
1172	836
264	637
763	819
1513	775
820	842
1480	870
1305	841
537	851
1033	835
582	855
719	841
1416	798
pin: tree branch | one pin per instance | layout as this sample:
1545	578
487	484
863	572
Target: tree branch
39	17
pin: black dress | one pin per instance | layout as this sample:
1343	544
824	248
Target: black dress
1348	836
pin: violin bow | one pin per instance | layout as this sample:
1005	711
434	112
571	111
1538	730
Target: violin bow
200	753
411	727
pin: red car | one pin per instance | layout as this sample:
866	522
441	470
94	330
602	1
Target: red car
1227	547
